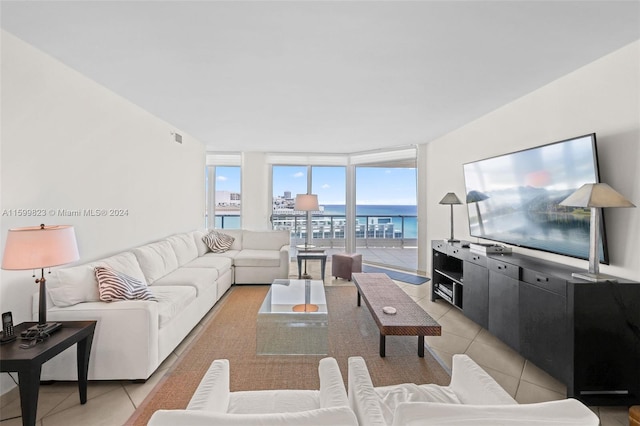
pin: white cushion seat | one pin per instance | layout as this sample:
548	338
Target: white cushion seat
221	263
257	258
213	403
172	301
273	401
199	278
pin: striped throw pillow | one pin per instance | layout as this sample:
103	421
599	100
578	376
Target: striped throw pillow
218	242
114	286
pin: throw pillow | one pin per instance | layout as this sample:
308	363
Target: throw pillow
218	242
114	285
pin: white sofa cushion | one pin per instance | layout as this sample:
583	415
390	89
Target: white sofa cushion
265	240
473	385
273	401
567	412
332	390
259	258
184	247
199	278
200	245
78	284
156	260
210	260
336	416
214	383
171	301
392	396
238	238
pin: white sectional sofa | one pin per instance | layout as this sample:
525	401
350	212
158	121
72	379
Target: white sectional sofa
133	337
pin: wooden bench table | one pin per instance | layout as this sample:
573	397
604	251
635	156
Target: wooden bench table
378	291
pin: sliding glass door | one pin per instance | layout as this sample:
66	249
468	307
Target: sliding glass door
386	215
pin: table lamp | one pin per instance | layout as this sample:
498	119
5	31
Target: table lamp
307	203
450	198
595	196
40	247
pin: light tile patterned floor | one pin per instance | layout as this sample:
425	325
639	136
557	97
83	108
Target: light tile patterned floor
112	403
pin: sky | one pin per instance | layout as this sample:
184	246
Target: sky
374	185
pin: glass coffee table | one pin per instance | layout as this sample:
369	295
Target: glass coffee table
293	319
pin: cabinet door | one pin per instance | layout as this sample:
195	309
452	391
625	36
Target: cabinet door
475	298
503	308
544	337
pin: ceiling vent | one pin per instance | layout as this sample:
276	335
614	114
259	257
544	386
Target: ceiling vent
177	137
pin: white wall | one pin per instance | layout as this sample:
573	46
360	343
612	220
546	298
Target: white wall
256	192
69	143
602	97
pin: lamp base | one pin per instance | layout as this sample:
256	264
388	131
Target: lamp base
594	278
41	330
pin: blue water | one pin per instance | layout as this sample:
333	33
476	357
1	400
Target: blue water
410	223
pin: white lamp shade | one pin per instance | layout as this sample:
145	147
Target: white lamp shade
450	198
596	195
40	247
307	203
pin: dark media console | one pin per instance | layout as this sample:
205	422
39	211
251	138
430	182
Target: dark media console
585	334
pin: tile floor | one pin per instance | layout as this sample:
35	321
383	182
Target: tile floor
112	403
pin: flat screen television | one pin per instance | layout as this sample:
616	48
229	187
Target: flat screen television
514	198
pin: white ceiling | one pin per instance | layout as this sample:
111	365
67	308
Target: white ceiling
322	76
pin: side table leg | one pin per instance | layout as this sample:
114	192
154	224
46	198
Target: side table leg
421	346
358	298
324	264
83	353
29	388
299	268
383	344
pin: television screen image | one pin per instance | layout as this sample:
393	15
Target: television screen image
514	198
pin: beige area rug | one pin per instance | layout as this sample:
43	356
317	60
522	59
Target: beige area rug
231	333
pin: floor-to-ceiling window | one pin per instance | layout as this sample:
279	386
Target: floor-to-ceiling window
327	226
386	214
224	192
287	182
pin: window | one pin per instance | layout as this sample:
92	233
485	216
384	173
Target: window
327	227
386	215
224	197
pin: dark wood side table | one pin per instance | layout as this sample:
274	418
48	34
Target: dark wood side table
28	362
312	255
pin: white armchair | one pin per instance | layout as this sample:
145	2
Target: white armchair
472	397
213	403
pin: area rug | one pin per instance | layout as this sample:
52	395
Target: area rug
230	333
396	275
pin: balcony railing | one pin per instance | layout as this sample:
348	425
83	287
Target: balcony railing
371	231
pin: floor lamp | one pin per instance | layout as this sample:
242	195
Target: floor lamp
307	203
595	196
450	198
40	247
